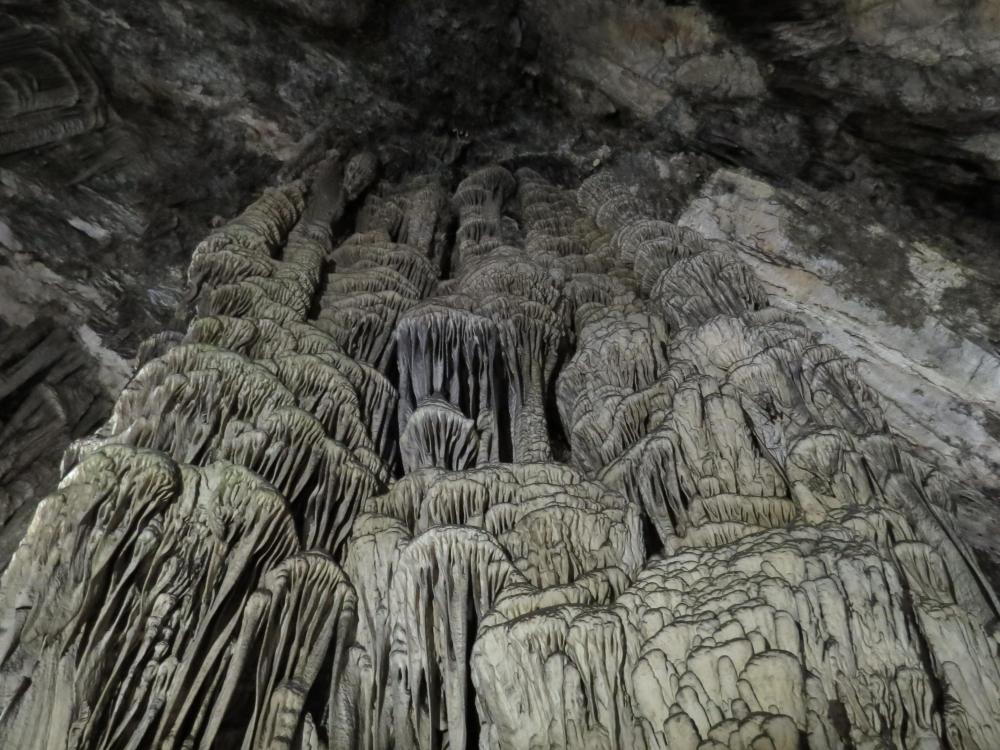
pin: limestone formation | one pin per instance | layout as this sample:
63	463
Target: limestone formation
48	397
559	478
47	91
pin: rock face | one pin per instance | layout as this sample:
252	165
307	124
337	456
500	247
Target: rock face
923	322
567	374
877	99
47	91
340	510
50	394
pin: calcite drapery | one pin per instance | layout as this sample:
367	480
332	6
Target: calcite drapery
591	491
48	396
47	91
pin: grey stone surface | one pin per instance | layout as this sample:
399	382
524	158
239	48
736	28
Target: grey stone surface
500	375
294	531
921	320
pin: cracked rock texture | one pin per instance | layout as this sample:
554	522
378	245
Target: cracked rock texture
505	375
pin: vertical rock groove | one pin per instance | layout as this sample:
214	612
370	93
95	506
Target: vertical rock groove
335	512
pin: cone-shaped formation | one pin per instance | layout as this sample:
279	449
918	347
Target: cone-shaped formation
266	546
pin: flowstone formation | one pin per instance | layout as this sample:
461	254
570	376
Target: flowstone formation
47	91
49	395
509	465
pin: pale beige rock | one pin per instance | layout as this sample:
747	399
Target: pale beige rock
48	92
343	511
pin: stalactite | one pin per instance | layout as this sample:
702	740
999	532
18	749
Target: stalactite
593	490
48	92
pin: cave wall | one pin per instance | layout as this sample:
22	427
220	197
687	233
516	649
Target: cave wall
486	460
842	152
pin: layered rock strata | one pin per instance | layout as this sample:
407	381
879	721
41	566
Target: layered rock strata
560	477
49	396
47	91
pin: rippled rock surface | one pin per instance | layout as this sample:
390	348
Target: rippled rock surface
499	463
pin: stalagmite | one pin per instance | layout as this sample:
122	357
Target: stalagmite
532	467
